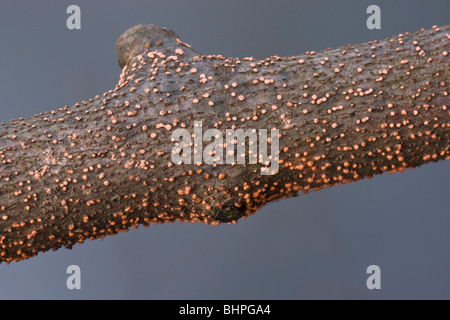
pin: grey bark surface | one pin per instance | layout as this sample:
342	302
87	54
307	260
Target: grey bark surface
103	166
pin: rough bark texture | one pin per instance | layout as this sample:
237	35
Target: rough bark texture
104	165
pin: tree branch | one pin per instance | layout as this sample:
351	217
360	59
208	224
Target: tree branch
105	165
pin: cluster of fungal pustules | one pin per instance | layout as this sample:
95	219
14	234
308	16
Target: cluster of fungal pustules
104	165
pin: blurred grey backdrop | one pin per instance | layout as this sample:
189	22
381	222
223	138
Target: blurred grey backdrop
314	246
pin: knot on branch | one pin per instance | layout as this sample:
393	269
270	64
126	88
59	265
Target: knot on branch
138	39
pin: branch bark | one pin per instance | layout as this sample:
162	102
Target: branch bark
104	165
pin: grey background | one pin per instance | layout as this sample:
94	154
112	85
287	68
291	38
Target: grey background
314	246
